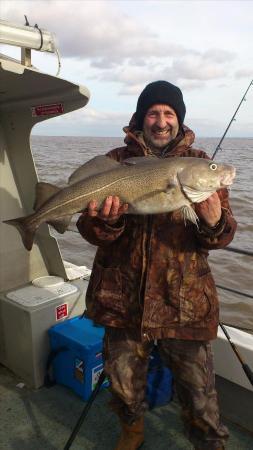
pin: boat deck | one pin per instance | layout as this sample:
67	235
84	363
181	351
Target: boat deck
43	420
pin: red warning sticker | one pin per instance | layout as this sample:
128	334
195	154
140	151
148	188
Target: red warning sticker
61	311
47	110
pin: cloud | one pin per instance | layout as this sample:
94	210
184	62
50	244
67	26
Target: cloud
218	55
191	85
206	127
87	121
190	72
197	69
93	116
244	73
121	49
98	31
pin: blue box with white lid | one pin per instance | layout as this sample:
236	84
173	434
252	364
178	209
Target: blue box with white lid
77	344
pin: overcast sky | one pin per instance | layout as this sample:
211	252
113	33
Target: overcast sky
116	47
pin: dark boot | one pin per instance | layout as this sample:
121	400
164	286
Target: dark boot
132	436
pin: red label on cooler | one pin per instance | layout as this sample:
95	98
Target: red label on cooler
61	311
47	110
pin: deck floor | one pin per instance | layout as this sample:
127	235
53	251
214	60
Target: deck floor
43	420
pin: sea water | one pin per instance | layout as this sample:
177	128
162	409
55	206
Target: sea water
57	157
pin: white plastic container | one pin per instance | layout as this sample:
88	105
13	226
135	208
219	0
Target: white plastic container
26	314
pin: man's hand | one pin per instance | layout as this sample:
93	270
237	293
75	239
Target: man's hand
110	211
209	210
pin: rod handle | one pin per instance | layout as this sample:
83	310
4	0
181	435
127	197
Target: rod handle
79	423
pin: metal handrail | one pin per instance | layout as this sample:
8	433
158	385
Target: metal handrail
238	250
242	252
243	294
230	249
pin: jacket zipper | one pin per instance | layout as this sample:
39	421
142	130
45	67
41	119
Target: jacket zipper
143	289
147	250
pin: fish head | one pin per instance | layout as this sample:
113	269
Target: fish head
202	177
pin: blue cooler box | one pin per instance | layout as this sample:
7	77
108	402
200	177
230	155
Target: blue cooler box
159	382
77	344
79	362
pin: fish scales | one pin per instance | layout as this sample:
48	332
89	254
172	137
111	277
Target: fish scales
128	183
149	185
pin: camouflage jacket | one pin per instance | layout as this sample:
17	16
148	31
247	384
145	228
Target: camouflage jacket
151	272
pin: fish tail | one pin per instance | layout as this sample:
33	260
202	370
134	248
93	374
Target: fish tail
26	230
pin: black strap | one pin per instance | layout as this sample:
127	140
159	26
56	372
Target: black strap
41	36
48	379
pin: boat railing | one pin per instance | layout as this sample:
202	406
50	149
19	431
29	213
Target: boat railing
229	249
28	38
238	250
234	291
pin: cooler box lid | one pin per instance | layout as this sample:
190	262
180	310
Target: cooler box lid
32	296
78	330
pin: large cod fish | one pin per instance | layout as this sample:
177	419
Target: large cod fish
149	185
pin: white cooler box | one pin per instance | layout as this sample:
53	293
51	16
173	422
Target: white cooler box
26	314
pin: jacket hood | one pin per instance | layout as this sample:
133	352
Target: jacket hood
185	137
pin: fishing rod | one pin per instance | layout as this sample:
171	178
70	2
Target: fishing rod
85	411
233	118
245	366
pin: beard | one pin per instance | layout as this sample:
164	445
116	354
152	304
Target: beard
159	138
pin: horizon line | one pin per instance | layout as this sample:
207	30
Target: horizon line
122	137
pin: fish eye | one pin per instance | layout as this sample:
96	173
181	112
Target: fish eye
213	166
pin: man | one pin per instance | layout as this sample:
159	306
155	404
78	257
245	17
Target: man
151	281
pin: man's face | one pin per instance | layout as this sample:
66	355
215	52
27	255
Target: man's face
160	125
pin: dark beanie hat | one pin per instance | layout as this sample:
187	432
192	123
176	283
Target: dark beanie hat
161	92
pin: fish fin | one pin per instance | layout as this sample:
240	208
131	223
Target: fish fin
196	196
60	224
139	160
94	166
44	191
189	214
27	232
